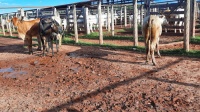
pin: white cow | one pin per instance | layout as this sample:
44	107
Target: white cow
131	19
152	30
64	23
8	24
94	21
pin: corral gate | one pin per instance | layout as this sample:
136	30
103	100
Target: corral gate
172	7
80	19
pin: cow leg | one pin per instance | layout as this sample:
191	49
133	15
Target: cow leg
152	49
57	43
147	55
49	43
29	39
157	48
153	57
52	47
59	38
39	43
147	51
158	51
43	44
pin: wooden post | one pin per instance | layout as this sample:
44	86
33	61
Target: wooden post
86	20
121	16
147	7
141	15
187	26
2	25
21	13
9	27
100	24
125	16
26	14
135	25
67	19
37	13
75	24
108	17
13	27
114	13
197	8
193	18
16	14
112	21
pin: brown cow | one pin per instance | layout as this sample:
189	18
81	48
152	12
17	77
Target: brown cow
151	30
26	30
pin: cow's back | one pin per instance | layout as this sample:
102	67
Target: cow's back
27	28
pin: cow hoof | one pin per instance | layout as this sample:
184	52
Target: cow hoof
147	62
154	64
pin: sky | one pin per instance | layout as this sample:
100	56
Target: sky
14	3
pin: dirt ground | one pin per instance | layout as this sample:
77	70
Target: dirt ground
96	79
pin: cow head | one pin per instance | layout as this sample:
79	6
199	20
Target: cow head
15	21
163	19
56	27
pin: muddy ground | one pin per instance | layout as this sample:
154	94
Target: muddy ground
97	79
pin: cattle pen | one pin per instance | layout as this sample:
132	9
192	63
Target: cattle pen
101	65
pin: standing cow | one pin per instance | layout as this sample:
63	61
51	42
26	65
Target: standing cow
26	30
151	30
49	29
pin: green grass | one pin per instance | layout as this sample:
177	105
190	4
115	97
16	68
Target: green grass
182	52
131	29
195	40
95	35
174	52
15	37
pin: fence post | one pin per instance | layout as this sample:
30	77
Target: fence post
2	25
141	15
67	19
193	17
75	24
9	27
86	20
108	17
112	21
135	25
125	16
187	26
100	24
